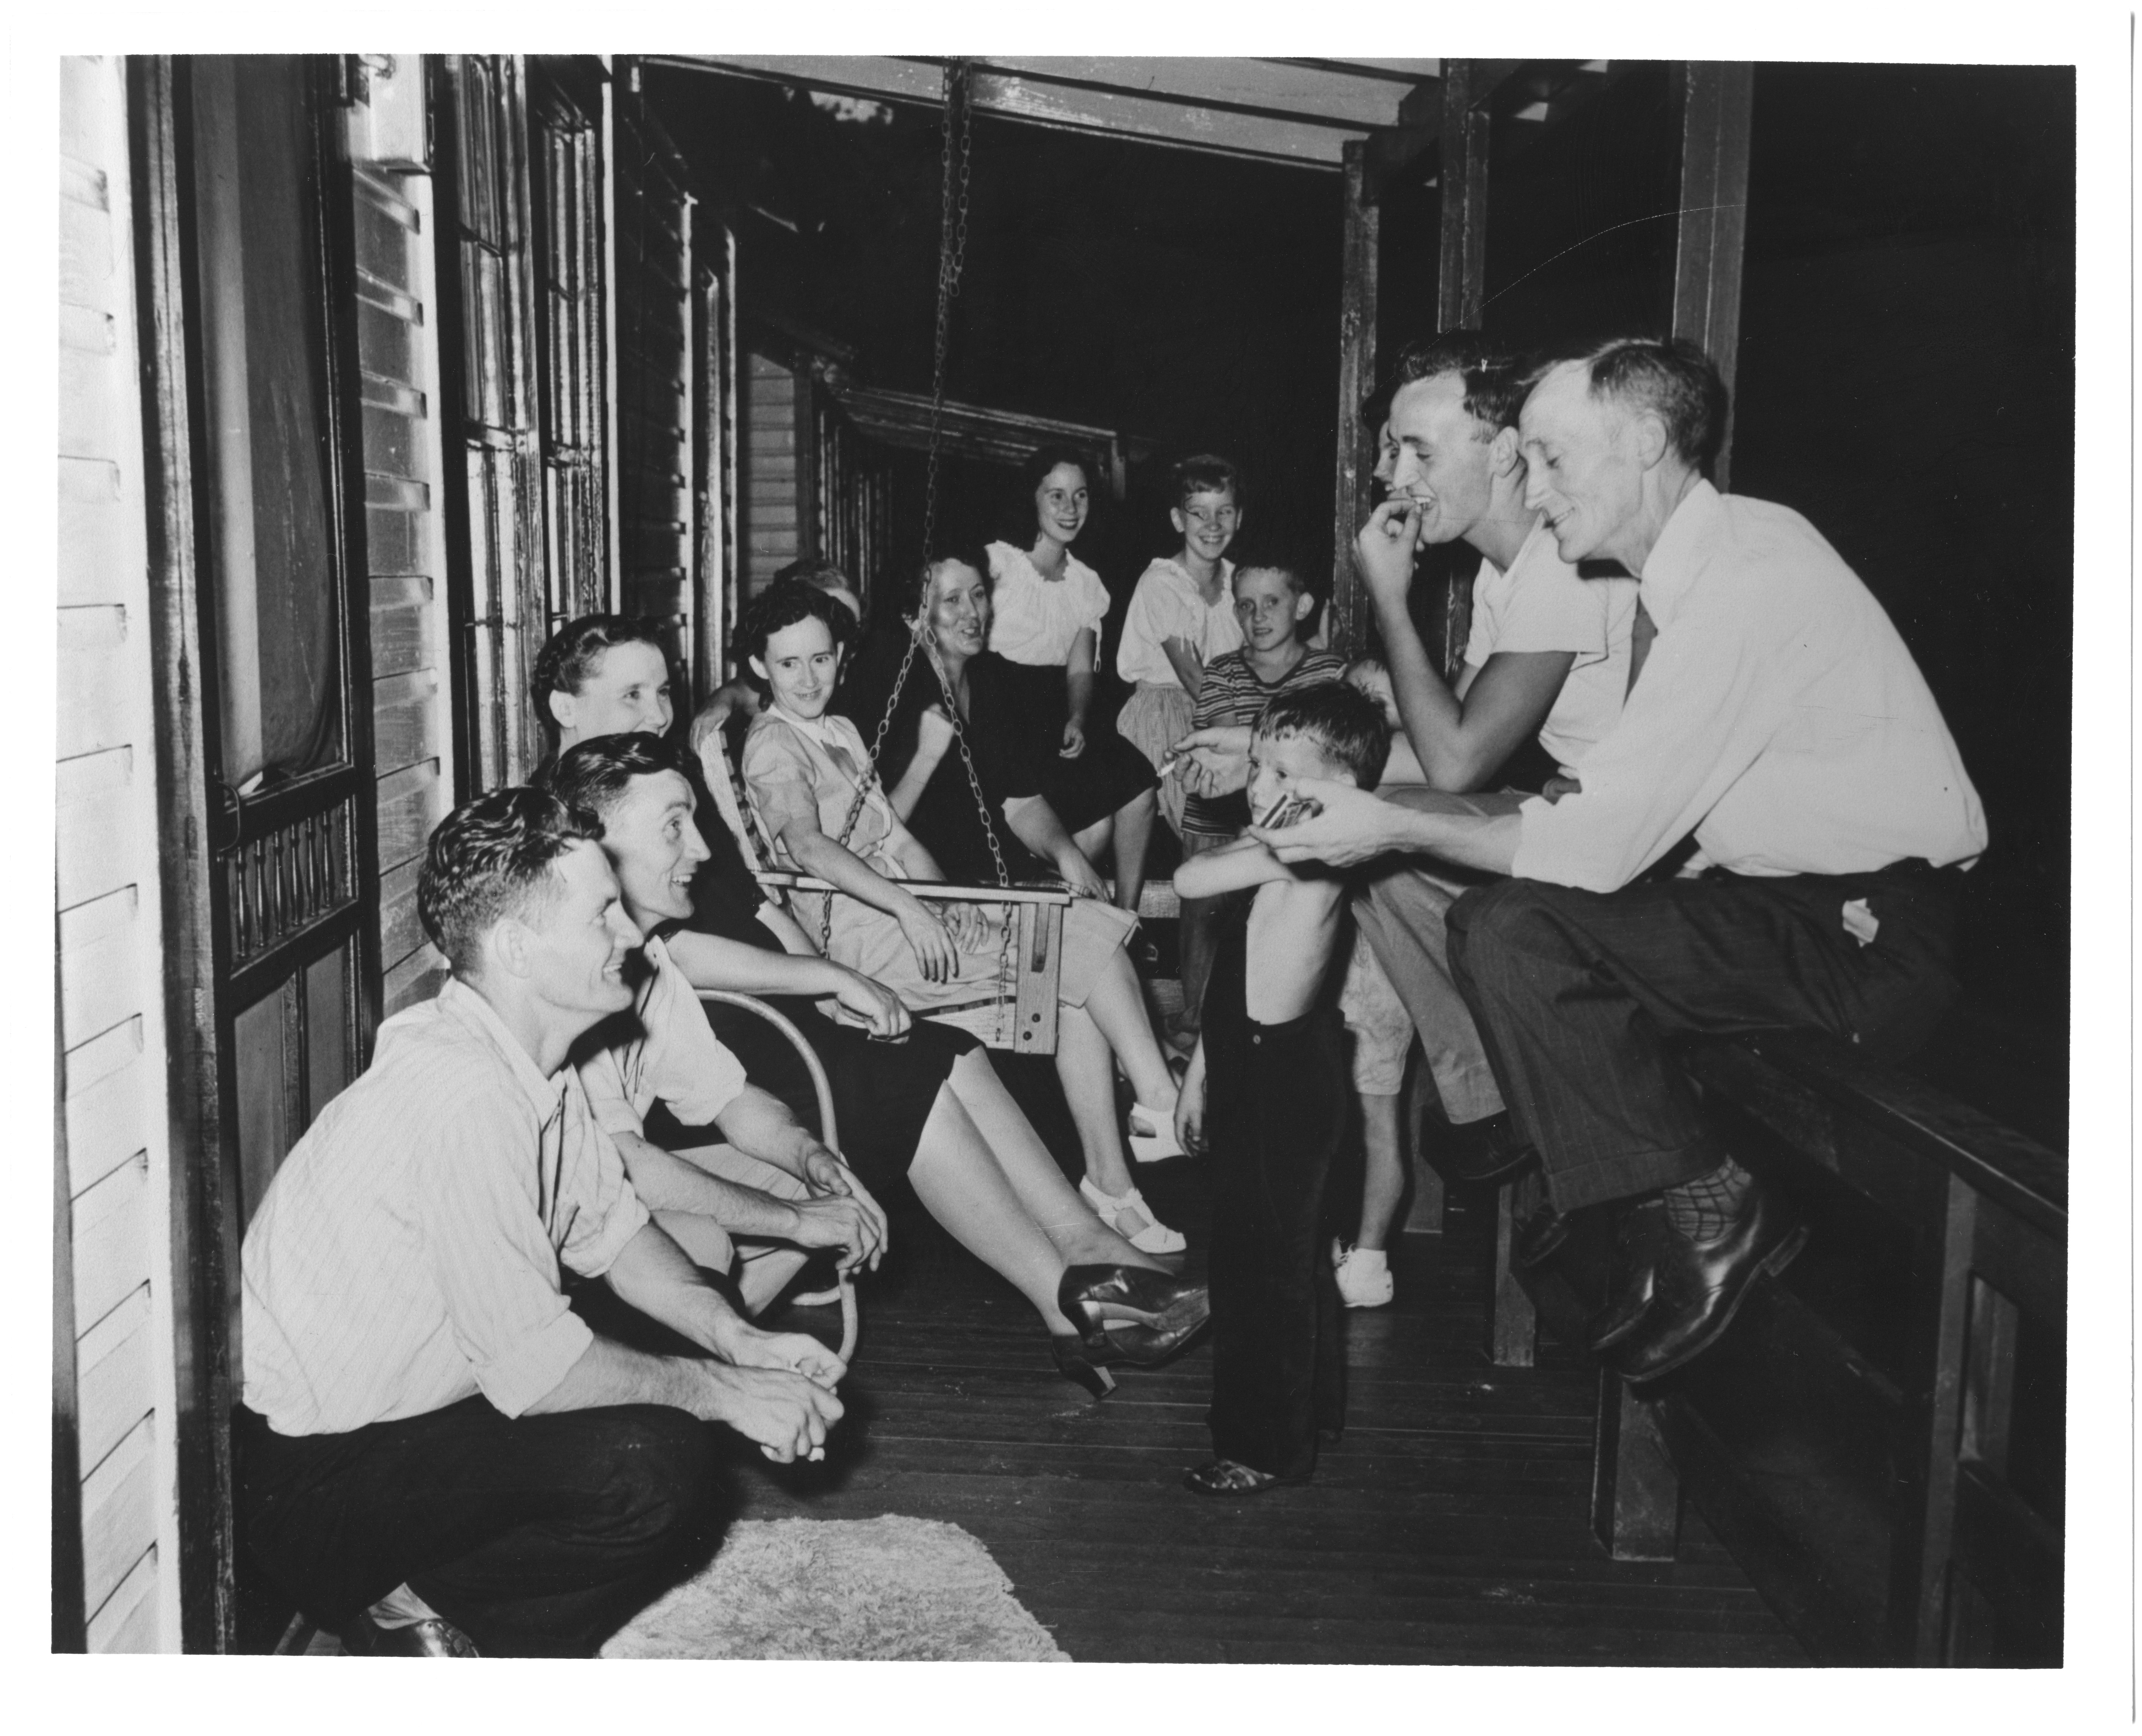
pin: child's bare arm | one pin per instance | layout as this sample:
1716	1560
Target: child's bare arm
1188	666
1243	862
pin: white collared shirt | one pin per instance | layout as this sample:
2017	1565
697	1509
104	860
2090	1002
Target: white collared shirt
1542	603
1779	718
668	1051
407	1253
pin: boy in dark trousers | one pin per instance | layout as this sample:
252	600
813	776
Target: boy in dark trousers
1266	1091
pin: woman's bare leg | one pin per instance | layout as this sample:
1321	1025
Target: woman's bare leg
956	1177
1133	833
1050	1201
1088	1074
1117	1010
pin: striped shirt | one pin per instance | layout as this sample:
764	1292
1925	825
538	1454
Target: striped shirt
1231	693
670	1052
407	1254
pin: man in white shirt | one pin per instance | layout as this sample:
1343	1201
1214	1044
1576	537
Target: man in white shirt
1779	720
434	1448
1548	654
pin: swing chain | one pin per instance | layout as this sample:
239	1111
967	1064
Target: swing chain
955	198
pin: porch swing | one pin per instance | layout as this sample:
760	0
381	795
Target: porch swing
1022	997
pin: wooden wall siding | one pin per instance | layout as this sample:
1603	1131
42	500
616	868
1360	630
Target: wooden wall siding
576	414
656	488
112	1107
404	459
771	501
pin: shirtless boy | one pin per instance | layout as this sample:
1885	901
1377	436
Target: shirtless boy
1266	1091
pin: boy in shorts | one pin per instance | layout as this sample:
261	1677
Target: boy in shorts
1266	1094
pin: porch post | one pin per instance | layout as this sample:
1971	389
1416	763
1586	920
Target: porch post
1461	273
1348	628
1715	98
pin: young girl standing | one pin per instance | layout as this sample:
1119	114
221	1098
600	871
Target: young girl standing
1048	606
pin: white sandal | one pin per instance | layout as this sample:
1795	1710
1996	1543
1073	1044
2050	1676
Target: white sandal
1156	1238
1152	1147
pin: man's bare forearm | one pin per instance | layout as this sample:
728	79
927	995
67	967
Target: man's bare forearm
651	1274
759	1125
666	1183
1461	837
1430	712
608	1372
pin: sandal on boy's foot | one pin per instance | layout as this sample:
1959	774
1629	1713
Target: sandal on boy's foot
1161	1142
1152	1236
1231	1477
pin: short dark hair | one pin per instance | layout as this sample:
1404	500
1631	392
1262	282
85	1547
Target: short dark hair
1268	557
490	859
1670	378
575	651
591	777
1495	378
1206	473
786	603
1341	719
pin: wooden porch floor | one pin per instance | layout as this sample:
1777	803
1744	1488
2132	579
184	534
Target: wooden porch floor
1450	1526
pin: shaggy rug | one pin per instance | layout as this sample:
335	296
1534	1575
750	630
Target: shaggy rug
836	1589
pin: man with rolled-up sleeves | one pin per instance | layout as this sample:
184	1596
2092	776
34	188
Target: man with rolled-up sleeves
437	1457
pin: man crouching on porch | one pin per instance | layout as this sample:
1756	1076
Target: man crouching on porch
436	1455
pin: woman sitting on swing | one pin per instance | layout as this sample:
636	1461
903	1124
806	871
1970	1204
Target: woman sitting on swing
804	767
928	1109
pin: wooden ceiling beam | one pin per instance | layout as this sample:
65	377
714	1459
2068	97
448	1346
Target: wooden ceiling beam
1269	111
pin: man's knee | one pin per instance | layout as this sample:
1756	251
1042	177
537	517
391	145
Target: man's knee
1505	917
665	1478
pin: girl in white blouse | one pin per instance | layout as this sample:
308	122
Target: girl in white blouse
1048	606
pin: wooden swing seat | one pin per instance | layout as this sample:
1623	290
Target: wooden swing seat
1037	951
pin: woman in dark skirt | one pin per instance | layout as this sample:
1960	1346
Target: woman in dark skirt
1047	607
918	1103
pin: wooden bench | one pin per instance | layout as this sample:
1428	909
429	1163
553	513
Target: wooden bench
1879	1438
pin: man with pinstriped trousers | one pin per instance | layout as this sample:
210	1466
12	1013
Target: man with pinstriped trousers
1779	725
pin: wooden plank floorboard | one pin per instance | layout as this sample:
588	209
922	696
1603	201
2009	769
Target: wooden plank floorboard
1449	1525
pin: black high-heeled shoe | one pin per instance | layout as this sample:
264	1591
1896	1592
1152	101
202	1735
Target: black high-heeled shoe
1094	1297
1125	1314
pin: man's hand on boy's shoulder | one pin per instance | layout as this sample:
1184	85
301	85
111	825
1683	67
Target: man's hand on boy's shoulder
1352	826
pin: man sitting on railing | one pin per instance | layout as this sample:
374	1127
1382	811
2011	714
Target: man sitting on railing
434	1448
1778	719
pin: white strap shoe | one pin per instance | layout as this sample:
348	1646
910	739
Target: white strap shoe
1152	1236
1152	1147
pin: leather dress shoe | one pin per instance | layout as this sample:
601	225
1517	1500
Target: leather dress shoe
1699	1286
431	1638
1486	1151
1638	1238
1540	1237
